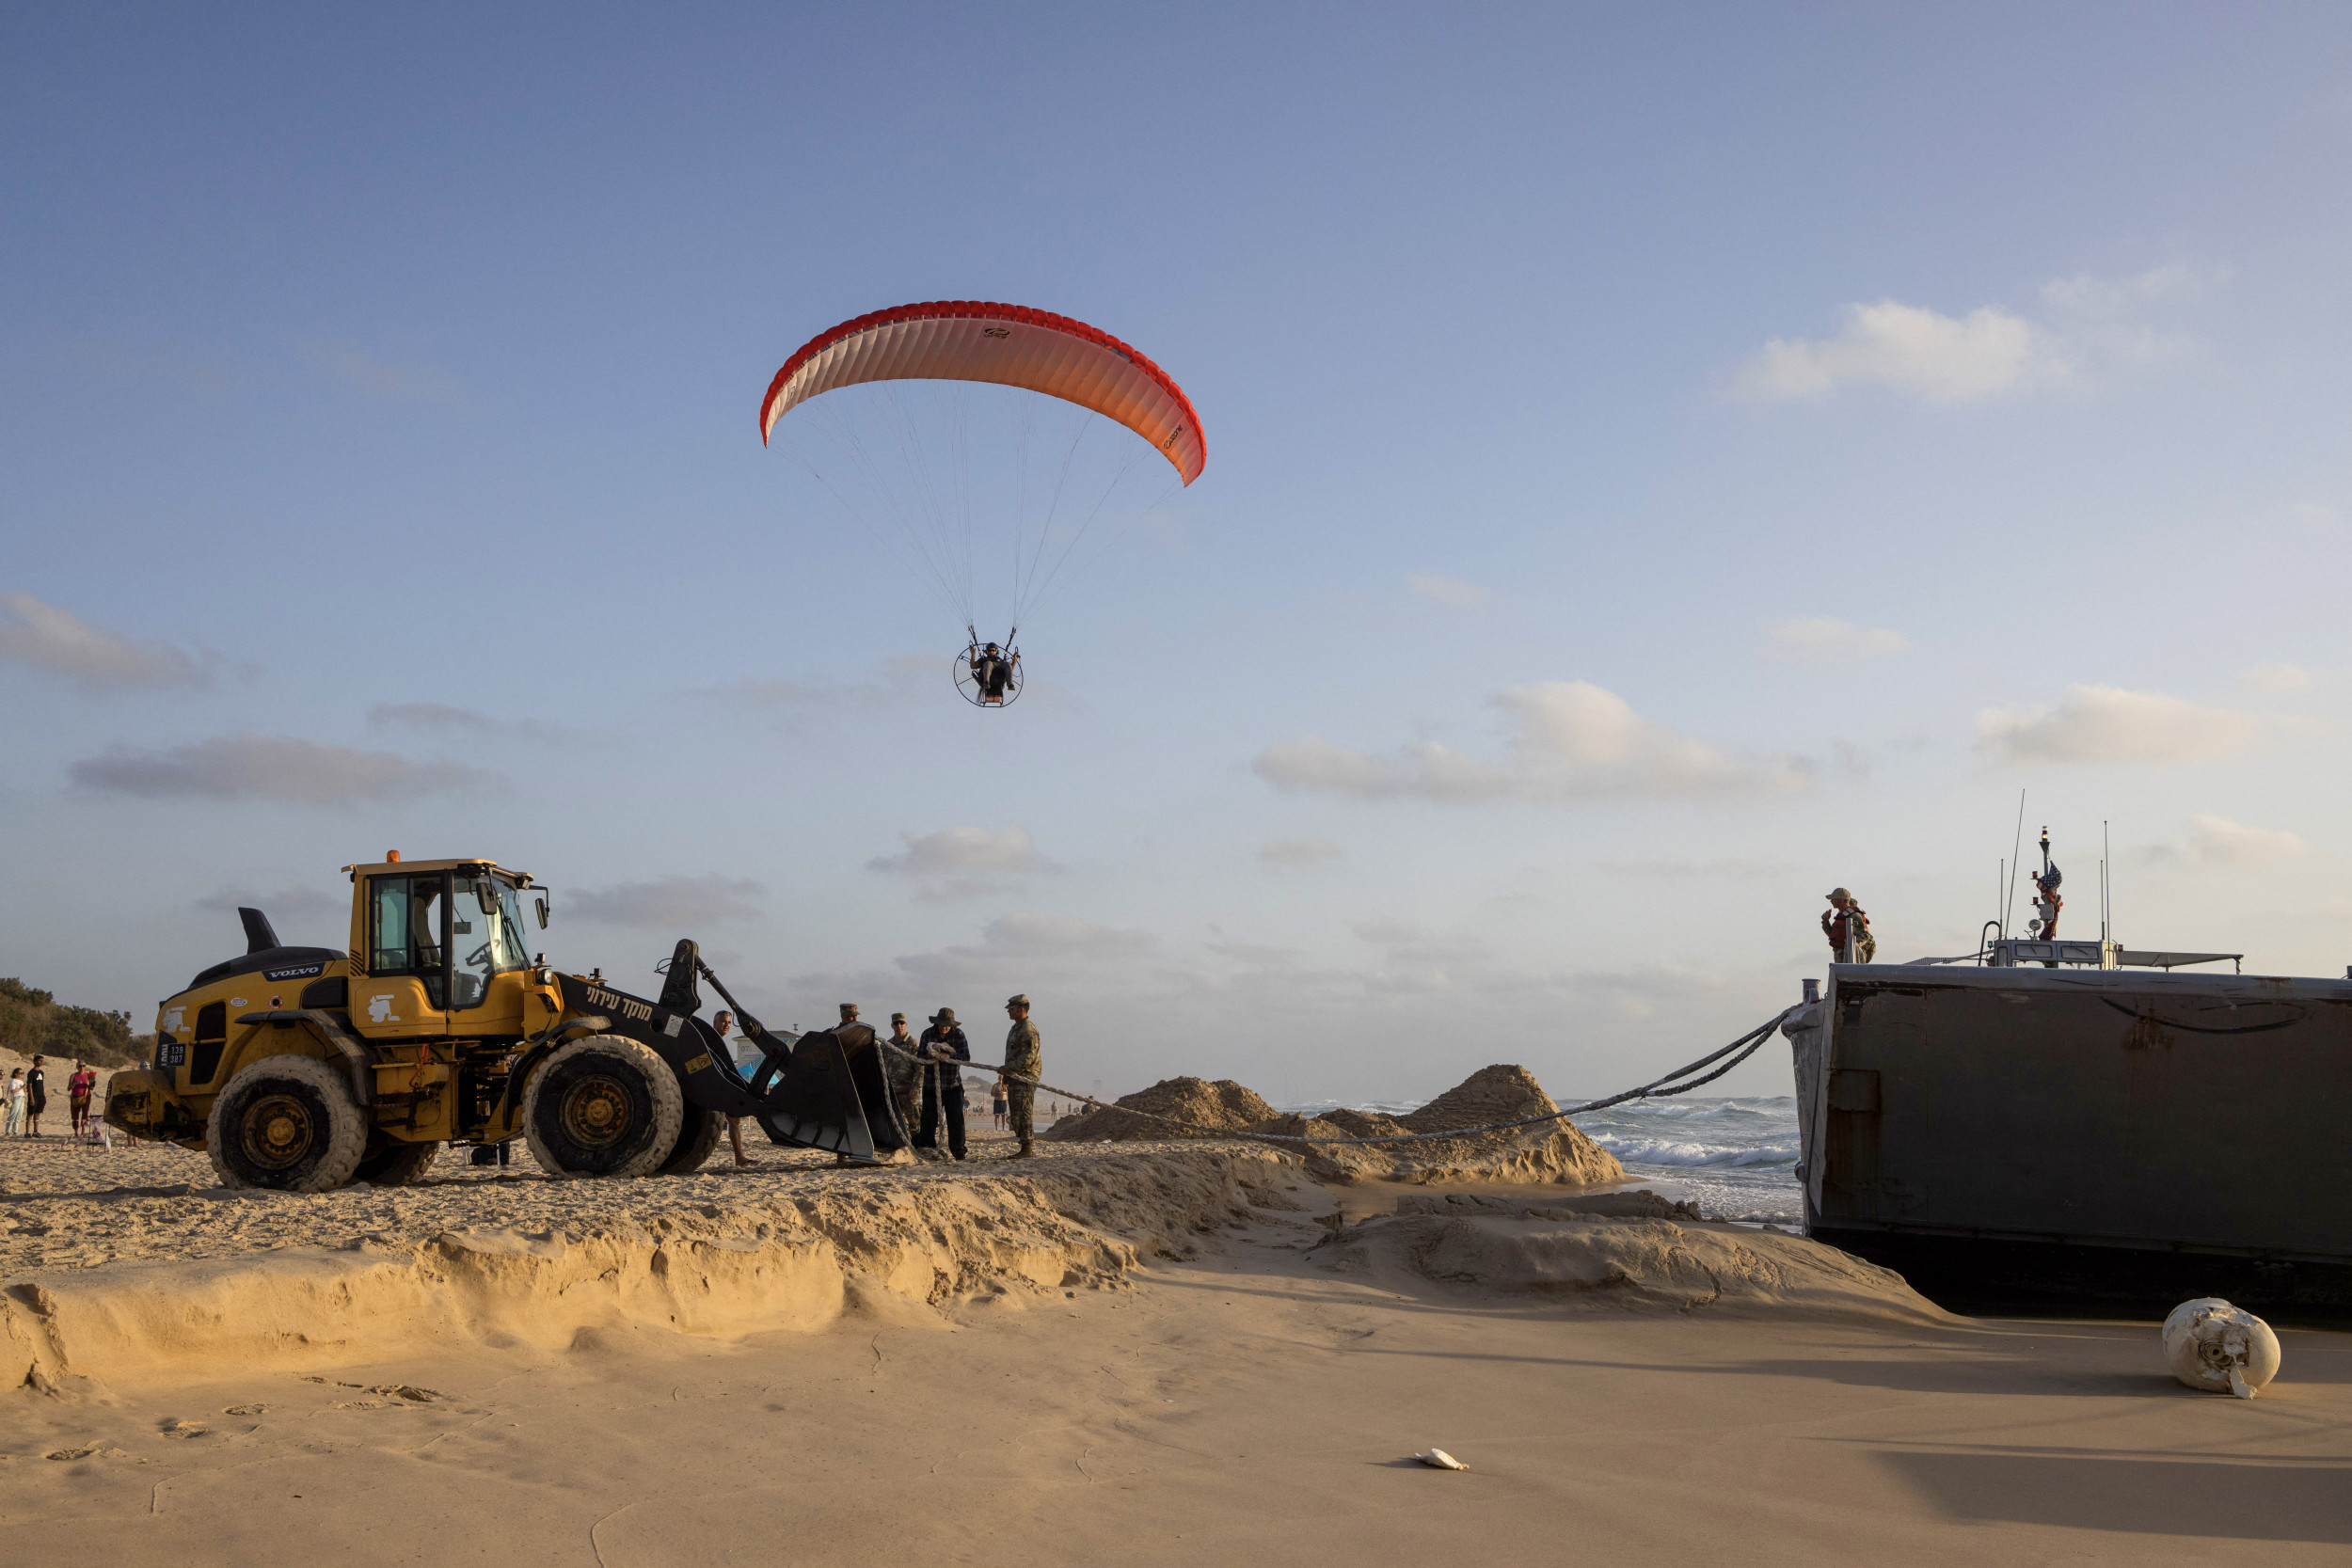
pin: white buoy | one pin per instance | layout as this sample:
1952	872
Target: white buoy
2219	1349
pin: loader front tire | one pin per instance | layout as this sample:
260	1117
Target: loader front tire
603	1106
697	1139
286	1123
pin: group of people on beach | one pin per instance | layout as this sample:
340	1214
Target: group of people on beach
28	1101
926	1077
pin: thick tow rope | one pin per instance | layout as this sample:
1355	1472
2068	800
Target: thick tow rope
1677	1082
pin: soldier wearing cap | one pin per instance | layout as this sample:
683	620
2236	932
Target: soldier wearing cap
1842	916
863	1053
1024	1058
944	1050
906	1073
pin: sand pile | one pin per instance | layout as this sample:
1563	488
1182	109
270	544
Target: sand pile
1630	1251
1547	1152
779	1260
1224	1105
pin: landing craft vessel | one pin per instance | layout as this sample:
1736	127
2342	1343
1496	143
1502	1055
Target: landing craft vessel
2084	1123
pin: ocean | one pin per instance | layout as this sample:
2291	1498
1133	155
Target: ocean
1735	1157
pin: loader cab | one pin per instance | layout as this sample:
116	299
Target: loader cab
438	948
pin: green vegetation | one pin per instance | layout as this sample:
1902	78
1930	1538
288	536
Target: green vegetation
33	1023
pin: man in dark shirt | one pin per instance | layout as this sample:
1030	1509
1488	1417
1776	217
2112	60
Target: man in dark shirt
36	1097
944	1051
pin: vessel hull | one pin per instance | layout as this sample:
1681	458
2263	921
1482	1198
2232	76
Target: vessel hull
2082	1128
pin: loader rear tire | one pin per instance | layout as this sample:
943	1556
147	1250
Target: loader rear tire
399	1165
603	1106
697	1139
286	1123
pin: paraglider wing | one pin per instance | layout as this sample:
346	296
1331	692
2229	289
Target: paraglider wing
1011	345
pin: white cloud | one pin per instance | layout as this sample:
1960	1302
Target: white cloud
465	723
1568	741
904	678
2103	723
277	767
429	716
2275	680
1047	936
60	642
2088	323
673	903
2216	841
2087	298
1297	851
1935	357
1012	951
1825	639
1453	592
960	852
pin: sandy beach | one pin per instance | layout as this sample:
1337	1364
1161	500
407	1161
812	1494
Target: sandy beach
1153	1354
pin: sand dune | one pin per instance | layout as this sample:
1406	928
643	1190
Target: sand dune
1620	1251
314	1280
1547	1152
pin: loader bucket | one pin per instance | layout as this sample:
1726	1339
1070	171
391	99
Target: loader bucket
816	1103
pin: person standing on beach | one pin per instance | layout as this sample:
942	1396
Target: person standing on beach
944	1050
36	1098
996	1105
720	1022
1842	915
16	1102
904	1072
78	1090
1024	1057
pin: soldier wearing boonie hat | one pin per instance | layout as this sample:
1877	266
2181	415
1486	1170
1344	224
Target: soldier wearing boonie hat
1024	1057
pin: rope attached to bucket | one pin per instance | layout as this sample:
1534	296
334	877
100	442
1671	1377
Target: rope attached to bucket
1677	1082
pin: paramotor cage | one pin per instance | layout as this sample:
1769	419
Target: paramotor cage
986	680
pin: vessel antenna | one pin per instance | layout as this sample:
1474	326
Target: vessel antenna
2009	900
2106	880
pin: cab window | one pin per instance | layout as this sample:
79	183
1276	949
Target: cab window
406	931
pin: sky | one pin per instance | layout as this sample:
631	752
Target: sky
1664	463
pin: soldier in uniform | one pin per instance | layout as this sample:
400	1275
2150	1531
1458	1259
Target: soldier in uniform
906	1073
1024	1056
1843	917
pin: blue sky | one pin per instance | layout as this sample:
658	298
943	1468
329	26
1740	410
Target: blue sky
1660	465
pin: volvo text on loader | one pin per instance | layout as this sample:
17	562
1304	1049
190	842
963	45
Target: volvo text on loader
303	1068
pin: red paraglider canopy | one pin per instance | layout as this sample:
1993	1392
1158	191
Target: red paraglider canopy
962	340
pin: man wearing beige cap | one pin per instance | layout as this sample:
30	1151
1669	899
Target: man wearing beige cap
1024	1056
1844	915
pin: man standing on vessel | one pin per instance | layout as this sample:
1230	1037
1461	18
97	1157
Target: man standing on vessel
1842	916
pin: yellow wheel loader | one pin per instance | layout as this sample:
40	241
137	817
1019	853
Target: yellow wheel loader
303	1068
